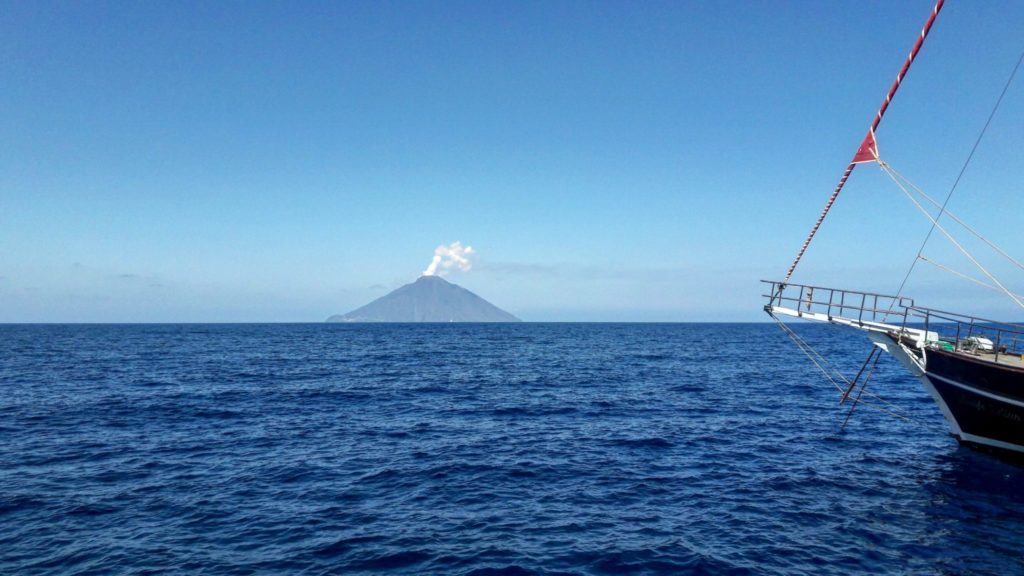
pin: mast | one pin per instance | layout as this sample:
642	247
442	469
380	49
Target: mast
868	150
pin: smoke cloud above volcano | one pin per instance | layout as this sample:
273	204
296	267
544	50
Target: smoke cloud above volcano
454	256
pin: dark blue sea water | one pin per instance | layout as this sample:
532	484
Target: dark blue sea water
479	449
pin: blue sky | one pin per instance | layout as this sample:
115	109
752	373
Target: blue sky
254	161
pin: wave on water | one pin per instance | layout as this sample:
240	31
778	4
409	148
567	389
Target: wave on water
537	449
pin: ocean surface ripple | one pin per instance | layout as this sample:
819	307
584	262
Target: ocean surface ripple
479	449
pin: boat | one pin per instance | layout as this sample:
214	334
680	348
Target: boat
972	367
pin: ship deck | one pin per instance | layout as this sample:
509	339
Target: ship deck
1003	358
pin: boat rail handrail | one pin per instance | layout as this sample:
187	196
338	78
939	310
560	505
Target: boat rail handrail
1003	337
837	302
961	332
922	312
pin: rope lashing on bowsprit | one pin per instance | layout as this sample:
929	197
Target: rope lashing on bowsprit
817	223
868	150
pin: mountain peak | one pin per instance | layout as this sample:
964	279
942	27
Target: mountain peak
428	299
431	278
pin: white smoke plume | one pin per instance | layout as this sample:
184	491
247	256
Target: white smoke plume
447	258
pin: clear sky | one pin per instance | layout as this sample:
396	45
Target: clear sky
256	161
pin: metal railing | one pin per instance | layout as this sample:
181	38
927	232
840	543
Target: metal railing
834	302
942	330
969	333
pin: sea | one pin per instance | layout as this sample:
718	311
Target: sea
482	450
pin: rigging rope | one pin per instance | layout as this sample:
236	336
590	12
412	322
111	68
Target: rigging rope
811	353
961	274
963	169
820	362
937	226
944	211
